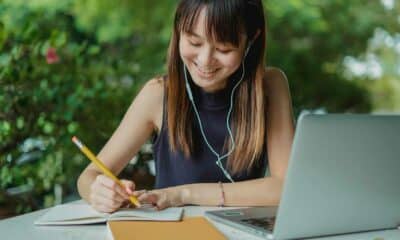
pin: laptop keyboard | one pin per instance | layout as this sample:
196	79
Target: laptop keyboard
265	222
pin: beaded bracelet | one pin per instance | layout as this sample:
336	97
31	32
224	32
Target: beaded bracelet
222	203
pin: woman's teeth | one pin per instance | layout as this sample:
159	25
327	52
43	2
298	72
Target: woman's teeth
207	71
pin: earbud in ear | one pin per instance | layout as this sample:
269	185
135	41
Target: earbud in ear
247	51
248	48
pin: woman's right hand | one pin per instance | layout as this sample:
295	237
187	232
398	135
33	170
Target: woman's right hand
107	196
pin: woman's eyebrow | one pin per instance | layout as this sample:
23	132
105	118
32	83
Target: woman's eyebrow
191	33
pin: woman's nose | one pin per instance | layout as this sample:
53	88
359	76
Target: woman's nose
205	57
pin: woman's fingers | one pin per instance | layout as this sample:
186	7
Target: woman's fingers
129	186
114	186
156	198
105	204
102	208
112	194
105	208
107	195
109	199
142	196
162	204
148	197
138	193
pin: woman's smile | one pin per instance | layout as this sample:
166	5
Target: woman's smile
205	72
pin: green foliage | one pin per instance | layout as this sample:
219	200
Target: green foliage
309	40
71	67
111	20
56	81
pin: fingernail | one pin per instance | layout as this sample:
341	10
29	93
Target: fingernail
129	191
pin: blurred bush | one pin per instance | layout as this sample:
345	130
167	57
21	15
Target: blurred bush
60	79
310	40
71	67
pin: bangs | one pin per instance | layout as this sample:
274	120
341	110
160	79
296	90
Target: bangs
223	21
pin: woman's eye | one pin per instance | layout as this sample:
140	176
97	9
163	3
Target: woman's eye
195	44
224	50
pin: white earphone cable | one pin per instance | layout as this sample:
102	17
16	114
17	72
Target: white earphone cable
219	158
190	95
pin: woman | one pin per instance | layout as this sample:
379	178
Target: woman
221	117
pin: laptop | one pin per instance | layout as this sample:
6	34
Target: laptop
343	177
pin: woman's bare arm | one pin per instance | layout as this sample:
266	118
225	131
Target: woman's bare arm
135	128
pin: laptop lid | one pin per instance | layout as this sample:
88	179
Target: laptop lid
343	176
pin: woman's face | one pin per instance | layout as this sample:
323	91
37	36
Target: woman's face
210	63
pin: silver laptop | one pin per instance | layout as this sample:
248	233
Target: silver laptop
343	177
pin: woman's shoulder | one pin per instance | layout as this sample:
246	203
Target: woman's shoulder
155	84
153	90
152	94
275	76
276	81
278	91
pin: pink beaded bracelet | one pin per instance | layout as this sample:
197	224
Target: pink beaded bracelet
222	203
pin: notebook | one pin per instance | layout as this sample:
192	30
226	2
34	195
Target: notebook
194	228
83	213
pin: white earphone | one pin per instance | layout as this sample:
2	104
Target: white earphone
247	49
190	95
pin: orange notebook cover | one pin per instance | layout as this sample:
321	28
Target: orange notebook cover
195	228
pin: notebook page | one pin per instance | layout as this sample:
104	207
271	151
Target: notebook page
148	214
71	214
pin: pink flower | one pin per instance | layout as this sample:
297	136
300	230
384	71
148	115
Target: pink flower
51	56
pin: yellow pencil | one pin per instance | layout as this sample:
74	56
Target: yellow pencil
102	167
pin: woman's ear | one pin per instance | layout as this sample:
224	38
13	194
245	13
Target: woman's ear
251	41
256	35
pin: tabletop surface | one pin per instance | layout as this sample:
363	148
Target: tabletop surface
22	228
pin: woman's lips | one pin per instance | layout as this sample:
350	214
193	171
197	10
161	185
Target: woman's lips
205	73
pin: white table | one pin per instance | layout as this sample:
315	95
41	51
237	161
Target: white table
22	228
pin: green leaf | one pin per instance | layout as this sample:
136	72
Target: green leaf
20	122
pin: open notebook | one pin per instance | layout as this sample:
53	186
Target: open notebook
82	213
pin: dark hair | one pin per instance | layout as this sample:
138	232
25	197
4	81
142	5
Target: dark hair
225	21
